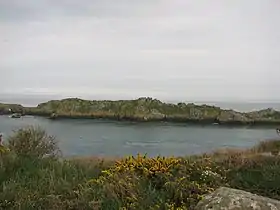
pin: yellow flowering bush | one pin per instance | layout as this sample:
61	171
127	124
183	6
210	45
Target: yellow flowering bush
3	149
145	166
168	206
182	181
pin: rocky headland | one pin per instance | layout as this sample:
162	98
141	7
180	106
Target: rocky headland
144	110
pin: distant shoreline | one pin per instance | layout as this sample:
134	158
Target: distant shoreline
145	110
268	125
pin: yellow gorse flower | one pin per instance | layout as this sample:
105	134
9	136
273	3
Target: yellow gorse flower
4	149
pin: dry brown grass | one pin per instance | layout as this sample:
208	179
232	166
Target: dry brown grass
267	146
103	162
246	157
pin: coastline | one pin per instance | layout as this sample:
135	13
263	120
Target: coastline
179	121
145	110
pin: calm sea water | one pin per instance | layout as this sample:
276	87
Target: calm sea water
107	138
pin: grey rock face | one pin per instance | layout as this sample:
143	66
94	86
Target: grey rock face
233	199
230	115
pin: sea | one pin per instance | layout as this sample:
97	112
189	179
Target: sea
91	137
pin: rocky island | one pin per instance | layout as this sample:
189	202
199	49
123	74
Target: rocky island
145	110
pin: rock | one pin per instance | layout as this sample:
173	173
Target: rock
233	199
270	114
230	115
53	116
155	114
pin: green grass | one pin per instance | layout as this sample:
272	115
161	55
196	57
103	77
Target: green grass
31	178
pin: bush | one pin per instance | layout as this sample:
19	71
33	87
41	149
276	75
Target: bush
141	182
259	175
267	146
33	142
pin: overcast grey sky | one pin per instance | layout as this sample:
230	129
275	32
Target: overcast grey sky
169	49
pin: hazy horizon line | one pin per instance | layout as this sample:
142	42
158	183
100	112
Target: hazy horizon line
44	98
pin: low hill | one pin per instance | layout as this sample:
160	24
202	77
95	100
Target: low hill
149	109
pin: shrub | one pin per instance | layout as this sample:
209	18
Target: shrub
33	142
137	181
260	175
267	146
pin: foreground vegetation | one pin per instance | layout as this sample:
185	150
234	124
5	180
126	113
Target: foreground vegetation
145	109
34	176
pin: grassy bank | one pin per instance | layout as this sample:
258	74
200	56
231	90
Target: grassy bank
34	176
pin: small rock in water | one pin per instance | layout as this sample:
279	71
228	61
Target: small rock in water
232	199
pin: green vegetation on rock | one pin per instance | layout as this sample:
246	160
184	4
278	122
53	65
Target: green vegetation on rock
33	176
5	108
148	109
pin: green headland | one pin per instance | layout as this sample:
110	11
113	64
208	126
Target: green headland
145	110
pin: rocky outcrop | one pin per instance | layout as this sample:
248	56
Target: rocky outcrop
149	109
11	108
265	114
233	199
231	115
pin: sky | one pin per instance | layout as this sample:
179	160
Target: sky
166	49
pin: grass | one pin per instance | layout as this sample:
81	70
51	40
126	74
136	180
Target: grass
34	176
